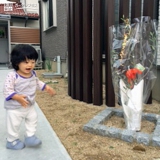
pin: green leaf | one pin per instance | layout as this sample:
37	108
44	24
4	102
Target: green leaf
151	33
153	47
48	63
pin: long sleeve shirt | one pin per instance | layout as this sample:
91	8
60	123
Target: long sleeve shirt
16	84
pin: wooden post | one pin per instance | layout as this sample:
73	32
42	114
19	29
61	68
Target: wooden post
78	50
71	53
87	51
109	21
97	53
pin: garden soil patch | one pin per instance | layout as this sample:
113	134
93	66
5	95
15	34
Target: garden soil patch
68	116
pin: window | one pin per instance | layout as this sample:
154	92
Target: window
49	14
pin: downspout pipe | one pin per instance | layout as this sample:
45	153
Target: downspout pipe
26	19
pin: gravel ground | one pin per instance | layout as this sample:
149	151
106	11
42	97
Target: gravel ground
67	117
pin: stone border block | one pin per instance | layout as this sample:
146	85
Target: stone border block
128	135
95	126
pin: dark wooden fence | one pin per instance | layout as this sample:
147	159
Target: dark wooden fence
88	40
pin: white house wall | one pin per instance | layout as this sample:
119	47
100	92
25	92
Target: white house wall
21	23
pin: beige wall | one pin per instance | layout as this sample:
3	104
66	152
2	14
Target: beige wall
30	23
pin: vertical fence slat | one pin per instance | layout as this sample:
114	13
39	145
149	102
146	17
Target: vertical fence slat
136	9
124	9
109	21
97	53
71	58
148	11
148	8
87	51
78	50
69	46
156	9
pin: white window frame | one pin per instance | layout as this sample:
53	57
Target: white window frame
46	15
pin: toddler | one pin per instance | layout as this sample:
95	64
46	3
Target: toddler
19	91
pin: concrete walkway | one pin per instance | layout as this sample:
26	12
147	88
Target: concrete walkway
51	148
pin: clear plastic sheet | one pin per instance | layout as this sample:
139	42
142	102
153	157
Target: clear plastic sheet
133	64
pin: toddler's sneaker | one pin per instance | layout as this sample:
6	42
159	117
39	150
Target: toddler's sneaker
16	145
32	141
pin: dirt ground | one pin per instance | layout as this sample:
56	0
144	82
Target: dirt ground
68	116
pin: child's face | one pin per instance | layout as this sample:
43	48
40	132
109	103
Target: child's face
26	67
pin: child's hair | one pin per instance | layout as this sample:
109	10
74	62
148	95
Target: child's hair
20	53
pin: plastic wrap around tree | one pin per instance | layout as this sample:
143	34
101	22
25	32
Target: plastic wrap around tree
133	62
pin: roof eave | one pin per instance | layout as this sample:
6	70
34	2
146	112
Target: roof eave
24	17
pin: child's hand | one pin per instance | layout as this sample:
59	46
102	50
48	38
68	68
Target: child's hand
50	90
21	99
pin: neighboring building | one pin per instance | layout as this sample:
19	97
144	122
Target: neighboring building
53	17
19	23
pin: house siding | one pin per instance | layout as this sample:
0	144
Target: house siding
54	40
24	35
